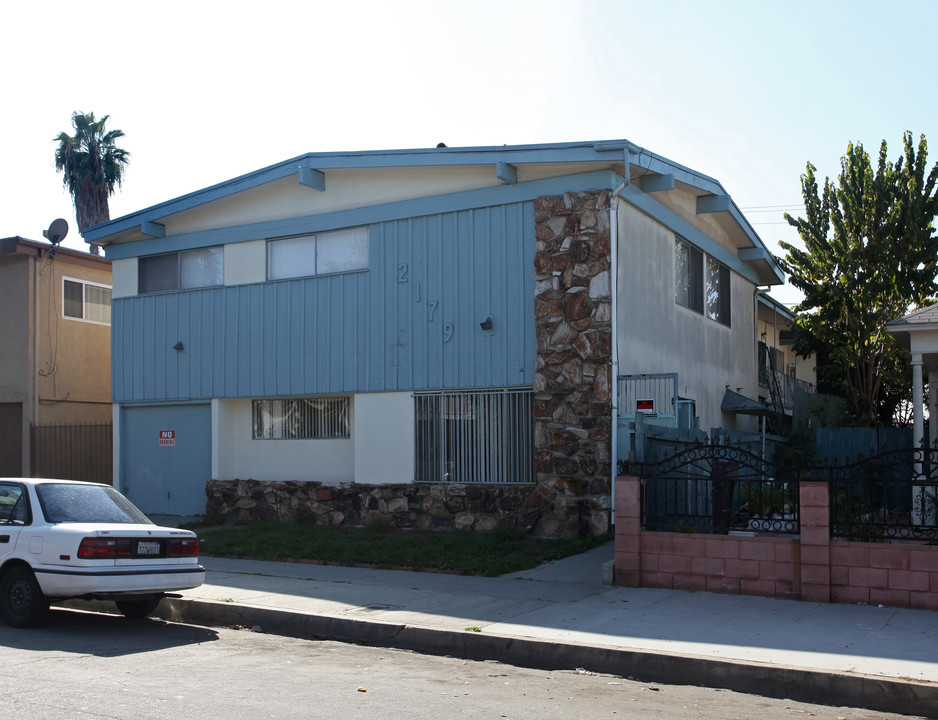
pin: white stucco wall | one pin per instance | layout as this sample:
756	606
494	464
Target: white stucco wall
381	449
124	278
239	456
656	335
245	262
384	438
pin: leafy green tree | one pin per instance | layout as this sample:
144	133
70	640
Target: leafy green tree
870	253
93	167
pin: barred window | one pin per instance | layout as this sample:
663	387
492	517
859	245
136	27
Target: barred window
301	418
475	437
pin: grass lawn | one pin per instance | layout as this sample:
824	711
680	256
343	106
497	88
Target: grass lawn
467	553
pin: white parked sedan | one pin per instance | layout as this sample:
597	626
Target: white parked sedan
66	539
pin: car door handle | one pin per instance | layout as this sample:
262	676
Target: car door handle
4	538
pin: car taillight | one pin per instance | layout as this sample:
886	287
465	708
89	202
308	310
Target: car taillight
99	548
183	547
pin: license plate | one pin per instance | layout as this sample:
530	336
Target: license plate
148	547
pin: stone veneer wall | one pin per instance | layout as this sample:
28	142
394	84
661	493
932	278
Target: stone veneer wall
572	409
573	323
545	510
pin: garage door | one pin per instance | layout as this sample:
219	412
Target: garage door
166	457
11	439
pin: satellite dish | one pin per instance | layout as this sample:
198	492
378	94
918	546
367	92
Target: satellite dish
56	232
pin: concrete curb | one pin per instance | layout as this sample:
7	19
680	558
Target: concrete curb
870	692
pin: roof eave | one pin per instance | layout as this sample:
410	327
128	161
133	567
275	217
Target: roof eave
146	223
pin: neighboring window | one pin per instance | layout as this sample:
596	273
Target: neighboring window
320	254
301	418
701	283
475	437
203	267
87	301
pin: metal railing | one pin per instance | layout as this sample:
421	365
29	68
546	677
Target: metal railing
475	437
302	418
652	396
785	385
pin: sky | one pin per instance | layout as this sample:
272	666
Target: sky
746	92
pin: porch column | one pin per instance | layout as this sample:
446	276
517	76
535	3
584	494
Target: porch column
933	413
918	431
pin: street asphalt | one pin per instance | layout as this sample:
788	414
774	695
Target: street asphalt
561	615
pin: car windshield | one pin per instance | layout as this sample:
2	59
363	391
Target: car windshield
64	502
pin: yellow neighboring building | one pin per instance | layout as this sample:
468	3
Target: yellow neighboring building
55	346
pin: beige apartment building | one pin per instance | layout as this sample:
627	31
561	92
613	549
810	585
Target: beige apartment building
55	344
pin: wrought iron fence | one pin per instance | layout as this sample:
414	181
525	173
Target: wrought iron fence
889	496
718	489
72	452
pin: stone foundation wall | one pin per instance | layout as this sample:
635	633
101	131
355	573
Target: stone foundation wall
551	509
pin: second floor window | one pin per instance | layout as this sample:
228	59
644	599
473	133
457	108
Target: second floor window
688	276
324	253
701	283
203	267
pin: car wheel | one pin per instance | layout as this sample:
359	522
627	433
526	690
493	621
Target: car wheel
138	608
22	603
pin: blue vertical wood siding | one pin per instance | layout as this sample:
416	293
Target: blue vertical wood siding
410	322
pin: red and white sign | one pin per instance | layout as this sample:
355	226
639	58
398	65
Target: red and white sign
645	406
167	438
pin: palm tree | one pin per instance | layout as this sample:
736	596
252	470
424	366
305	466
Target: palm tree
93	167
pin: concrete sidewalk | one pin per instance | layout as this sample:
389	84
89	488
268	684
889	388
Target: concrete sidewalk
562	616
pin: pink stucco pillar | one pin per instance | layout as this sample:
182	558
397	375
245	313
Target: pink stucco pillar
628	531
815	542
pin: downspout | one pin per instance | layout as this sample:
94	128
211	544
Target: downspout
614	361
33	383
